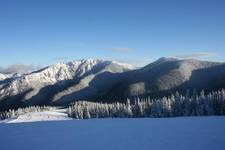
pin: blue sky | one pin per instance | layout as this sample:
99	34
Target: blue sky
134	31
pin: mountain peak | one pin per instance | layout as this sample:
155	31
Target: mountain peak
88	64
166	59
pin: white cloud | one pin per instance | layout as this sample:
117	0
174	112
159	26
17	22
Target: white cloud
197	55
59	59
136	62
122	49
19	68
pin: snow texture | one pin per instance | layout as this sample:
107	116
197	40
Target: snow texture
58	114
186	133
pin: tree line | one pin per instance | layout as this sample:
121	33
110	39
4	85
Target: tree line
175	105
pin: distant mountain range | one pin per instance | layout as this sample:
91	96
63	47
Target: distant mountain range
103	80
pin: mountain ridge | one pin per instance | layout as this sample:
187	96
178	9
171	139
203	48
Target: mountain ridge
96	79
56	76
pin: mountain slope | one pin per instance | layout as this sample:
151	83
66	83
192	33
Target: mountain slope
40	87
50	115
166	75
2	77
101	80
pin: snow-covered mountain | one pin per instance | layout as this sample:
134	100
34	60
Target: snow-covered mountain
58	77
2	77
103	80
7	76
167	75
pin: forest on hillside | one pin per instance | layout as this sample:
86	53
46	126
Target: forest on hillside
175	105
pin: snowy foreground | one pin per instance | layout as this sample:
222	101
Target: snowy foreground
185	133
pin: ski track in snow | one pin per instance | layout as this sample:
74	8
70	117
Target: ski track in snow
182	133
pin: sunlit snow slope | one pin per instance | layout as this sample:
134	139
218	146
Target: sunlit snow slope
39	116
